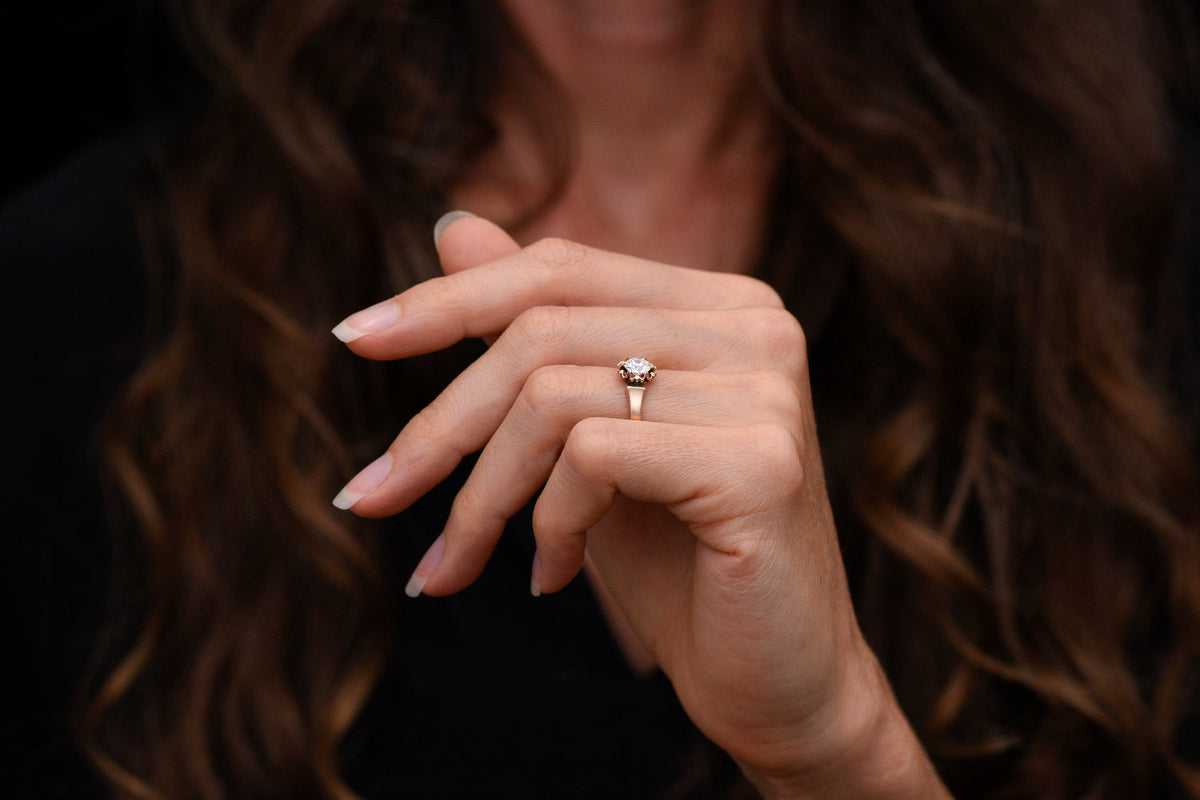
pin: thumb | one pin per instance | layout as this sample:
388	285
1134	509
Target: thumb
464	241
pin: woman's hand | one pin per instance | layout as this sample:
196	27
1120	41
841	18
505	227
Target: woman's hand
708	520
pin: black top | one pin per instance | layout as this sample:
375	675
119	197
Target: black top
490	693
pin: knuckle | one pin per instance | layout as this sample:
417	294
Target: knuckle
779	457
423	425
540	326
549	387
440	292
558	254
452	291
429	431
754	292
784	339
466	506
777	393
786	329
589	444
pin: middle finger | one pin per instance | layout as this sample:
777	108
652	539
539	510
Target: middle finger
466	414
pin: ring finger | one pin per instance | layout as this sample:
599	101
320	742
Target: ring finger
522	453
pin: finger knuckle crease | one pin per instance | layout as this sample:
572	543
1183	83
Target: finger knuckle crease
760	293
779	452
776	392
558	254
548	387
589	443
423	426
541	326
785	336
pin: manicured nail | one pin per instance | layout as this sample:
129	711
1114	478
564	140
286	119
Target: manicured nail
364	482
535	580
378	317
444	221
428	565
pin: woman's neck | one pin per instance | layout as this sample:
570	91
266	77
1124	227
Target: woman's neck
673	149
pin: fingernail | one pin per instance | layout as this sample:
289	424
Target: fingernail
444	221
364	482
429	564
370	320
535	580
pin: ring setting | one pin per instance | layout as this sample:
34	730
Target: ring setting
636	371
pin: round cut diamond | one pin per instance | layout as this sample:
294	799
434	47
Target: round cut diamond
636	370
638	366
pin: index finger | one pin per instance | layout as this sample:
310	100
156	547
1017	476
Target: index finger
552	272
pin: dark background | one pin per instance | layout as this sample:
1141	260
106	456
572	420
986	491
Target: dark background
71	70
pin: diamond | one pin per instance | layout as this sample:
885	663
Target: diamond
636	370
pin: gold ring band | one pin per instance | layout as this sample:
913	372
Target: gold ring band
636	393
636	372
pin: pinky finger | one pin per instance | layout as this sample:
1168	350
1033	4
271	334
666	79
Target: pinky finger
688	469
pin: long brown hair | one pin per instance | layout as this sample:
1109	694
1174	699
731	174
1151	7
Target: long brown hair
1017	494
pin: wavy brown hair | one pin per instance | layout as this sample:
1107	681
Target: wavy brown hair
1016	492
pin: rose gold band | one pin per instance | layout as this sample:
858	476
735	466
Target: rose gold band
636	371
635	400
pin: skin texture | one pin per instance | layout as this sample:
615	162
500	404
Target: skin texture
708	520
672	147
